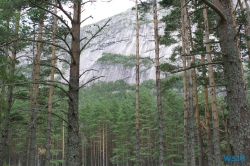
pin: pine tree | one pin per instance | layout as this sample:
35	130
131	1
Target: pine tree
51	92
215	119
158	87
137	145
9	97
236	97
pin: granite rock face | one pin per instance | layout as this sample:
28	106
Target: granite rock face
119	38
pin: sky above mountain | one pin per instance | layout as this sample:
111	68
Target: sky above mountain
102	9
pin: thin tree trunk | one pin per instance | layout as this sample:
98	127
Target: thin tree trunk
51	92
73	155
2	106
137	100
191	112
195	96
237	101
197	115
207	115
184	90
91	153
100	149
189	86
215	117
35	98
6	120
27	140
229	152
103	145
2	97
63	141
9	97
107	162
158	86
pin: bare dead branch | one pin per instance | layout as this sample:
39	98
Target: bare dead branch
238	32
41	82
86	71
98	31
86	19
202	53
63	60
55	34
59	117
46	42
92	79
61	74
62	9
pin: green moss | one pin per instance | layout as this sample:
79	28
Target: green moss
126	61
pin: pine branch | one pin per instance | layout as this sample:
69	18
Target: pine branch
204	64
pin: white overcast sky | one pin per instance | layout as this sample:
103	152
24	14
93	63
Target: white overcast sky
100	9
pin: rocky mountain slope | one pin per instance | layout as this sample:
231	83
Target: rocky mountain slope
118	39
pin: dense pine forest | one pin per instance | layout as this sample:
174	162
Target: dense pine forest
195	112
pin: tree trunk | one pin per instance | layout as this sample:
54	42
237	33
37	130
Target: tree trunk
237	101
2	97
158	87
103	145
9	97
35	98
51	92
207	115
25	159
63	141
247	28
195	97
73	155
215	117
107	162
184	90
190	112
237	40
189	85
229	152
197	115
137	129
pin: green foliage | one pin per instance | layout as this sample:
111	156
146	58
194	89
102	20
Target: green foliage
173	81
167	67
126	61
169	3
37	15
172	21
113	104
109	58
13	4
176	54
143	8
